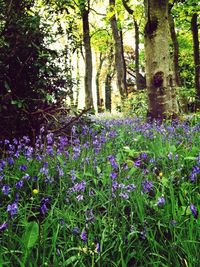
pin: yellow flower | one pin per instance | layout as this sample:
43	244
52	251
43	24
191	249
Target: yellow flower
35	191
160	174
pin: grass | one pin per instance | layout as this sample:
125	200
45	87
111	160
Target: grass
120	193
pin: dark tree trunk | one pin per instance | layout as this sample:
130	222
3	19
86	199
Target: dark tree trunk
88	58
194	28
119	60
176	50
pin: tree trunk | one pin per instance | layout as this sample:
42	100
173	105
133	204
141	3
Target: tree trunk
99	95
176	50
88	59
108	82
194	28
119	59
77	79
137	40
160	84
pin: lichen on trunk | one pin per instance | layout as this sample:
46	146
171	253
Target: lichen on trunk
159	75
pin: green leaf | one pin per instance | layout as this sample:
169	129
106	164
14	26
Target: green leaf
31	234
189	158
71	260
98	170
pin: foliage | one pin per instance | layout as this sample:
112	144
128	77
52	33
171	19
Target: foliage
186	99
121	193
135	105
30	75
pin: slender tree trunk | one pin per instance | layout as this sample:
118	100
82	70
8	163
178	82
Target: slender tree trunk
77	79
88	58
194	28
99	95
176	50
119	60
137	40
160	83
108	82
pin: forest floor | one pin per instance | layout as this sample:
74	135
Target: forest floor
121	192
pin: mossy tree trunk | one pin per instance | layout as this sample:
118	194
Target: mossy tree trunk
159	76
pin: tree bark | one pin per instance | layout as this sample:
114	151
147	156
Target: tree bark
176	50
99	95
88	58
159	76
119	57
194	28
108	81
137	41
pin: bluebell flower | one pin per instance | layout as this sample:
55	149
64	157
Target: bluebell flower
5	189
147	186
161	201
113	175
12	209
97	248
75	230
43	206
194	211
19	184
23	167
11	161
3	226
84	236
79	197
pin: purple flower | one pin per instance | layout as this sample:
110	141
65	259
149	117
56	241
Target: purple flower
79	197
43	207
60	171
3	226
193	174
19	184
194	211
124	195
50	138
84	236
113	175
11	161
12	209
23	167
137	163
6	189
147	186
75	230
97	248
89	215
44	170
113	162
26	176
161	201
73	175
